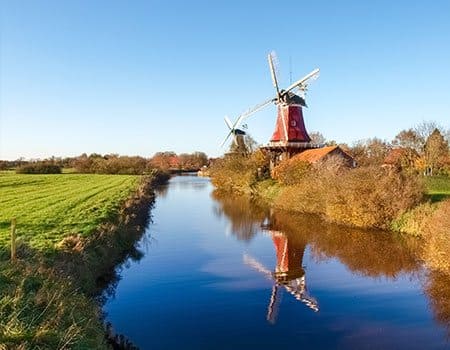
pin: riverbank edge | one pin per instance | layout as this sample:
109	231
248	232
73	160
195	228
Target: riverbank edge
92	261
91	258
78	272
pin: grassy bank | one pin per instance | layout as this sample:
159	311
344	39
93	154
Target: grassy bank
437	187
72	230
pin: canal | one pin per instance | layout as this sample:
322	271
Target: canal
226	273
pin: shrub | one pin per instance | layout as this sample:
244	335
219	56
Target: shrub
39	168
437	237
239	173
414	221
3	165
112	164
291	172
364	197
372	197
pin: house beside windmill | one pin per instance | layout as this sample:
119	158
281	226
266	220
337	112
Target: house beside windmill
322	154
399	158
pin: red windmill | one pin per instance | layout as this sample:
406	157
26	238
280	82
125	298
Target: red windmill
290	135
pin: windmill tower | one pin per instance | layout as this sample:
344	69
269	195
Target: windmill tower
290	136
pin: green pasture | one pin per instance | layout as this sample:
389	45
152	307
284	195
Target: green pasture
50	207
437	187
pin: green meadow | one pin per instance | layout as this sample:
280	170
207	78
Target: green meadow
438	187
49	207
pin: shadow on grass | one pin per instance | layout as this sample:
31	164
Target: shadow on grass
437	197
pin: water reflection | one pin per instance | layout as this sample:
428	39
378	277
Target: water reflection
161	191
245	215
369	253
188	181
437	287
288	274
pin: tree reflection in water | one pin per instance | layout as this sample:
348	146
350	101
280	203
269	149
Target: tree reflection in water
245	215
369	253
437	287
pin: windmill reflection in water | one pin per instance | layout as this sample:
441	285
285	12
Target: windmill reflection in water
289	272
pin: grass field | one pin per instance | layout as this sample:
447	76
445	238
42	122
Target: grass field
50	207
438	187
43	308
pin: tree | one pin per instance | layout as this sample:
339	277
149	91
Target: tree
435	152
164	160
425	129
192	161
409	145
370	151
317	138
409	139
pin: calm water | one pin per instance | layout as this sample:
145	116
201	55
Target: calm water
223	273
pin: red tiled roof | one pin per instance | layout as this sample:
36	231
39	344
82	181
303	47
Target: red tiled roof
394	155
314	155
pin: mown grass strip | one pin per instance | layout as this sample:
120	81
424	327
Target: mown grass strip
438	187
50	207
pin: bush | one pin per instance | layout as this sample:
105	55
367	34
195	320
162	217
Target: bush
239	173
414	221
291	172
39	168
3	165
437	238
112	164
363	197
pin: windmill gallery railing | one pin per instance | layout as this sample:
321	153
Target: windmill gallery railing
289	144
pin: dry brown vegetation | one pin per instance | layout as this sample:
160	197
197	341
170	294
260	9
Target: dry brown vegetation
436	234
430	222
368	196
239	173
111	164
43	167
291	172
364	197
437	287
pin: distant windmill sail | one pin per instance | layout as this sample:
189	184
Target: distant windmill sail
238	135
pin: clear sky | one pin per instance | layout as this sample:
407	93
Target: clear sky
136	77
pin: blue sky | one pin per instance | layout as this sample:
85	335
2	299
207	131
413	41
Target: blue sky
136	77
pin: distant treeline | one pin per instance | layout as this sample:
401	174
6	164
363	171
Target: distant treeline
423	148
111	164
44	167
170	161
